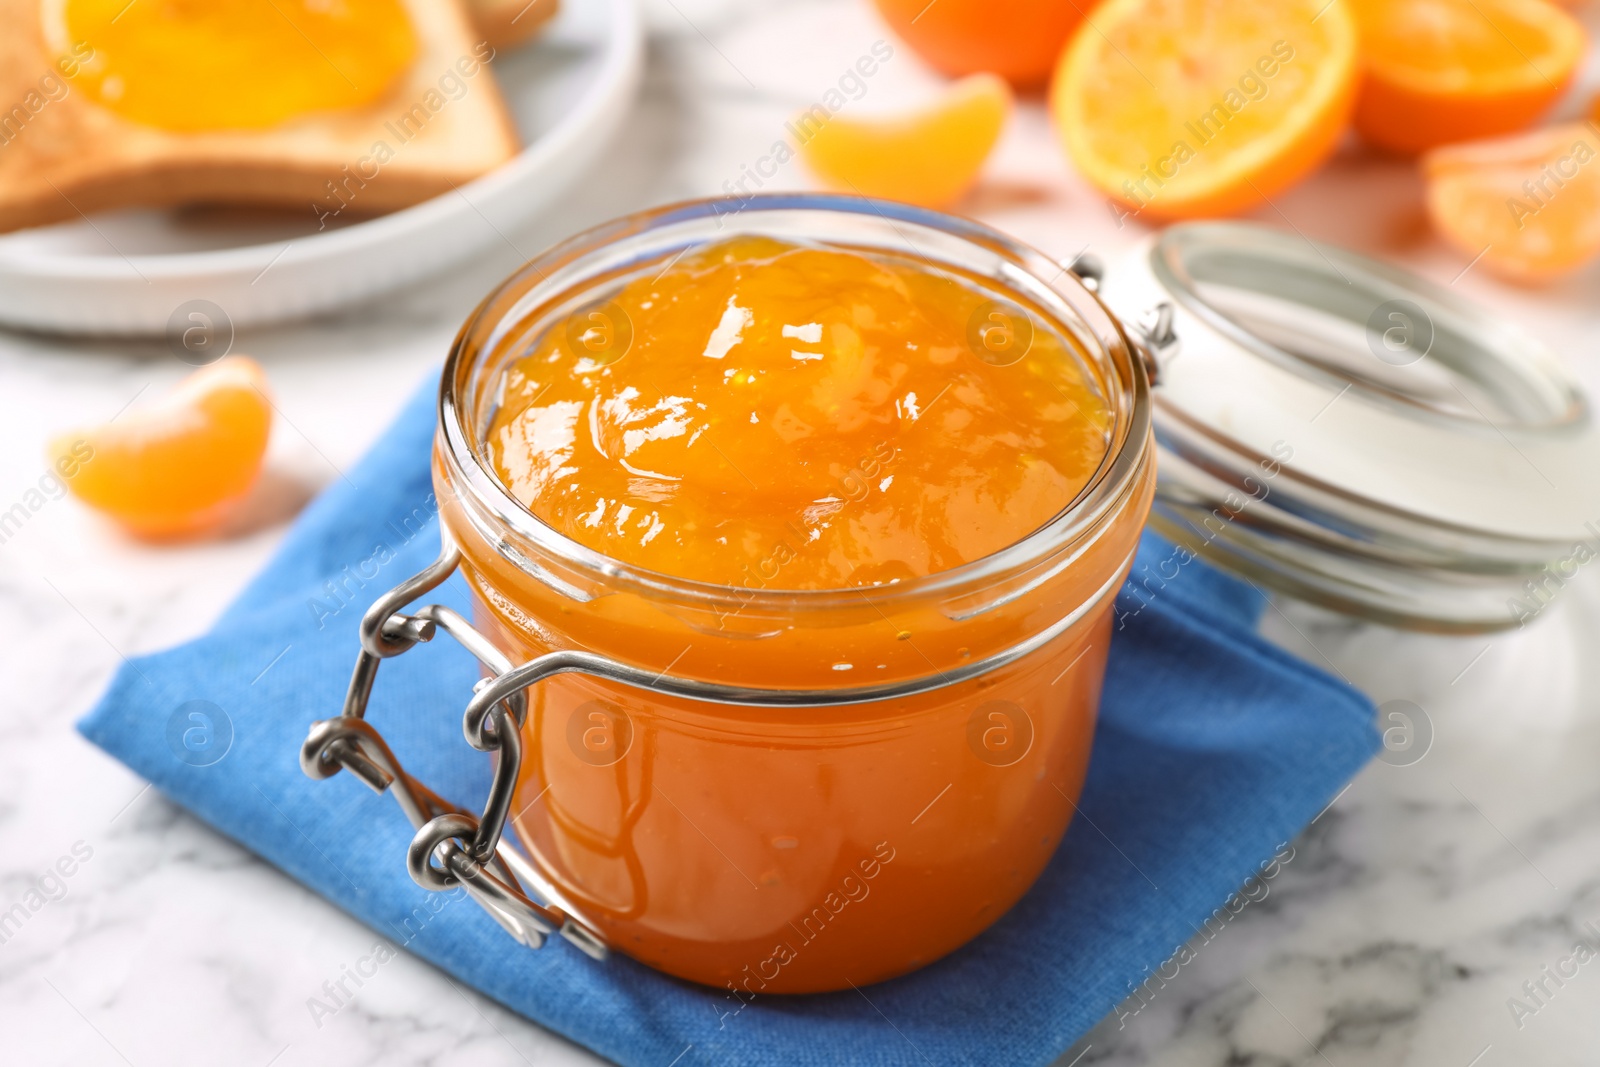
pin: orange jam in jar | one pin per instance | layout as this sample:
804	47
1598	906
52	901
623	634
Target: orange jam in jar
772	415
197	65
812	447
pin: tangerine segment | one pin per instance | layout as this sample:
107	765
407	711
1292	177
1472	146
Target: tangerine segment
929	158
1184	108
176	466
194	65
1018	40
1529	204
1441	71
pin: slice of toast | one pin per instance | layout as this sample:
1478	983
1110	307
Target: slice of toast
62	155
508	23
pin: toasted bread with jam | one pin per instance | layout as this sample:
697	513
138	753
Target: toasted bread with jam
63	155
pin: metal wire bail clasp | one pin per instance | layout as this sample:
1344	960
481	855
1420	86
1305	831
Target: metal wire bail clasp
1154	340
451	847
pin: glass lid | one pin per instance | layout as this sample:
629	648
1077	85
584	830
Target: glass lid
1356	435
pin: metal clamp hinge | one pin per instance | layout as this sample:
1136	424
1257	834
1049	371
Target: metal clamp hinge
1156	340
451	847
1153	338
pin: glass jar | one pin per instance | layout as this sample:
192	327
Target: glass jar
1349	434
820	787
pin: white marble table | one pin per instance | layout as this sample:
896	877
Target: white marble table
1414	908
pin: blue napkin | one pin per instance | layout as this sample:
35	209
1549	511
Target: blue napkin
1213	749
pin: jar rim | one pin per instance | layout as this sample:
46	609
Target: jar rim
558	273
1188	259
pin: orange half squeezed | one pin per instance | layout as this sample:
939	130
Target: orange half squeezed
192	65
1188	108
771	415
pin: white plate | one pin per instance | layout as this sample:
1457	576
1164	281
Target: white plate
127	272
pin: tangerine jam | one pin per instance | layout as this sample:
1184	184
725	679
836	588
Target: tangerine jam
194	65
771	415
819	446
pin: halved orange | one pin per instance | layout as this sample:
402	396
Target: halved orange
1529	204
1184	108
928	158
176	466
1441	71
